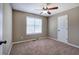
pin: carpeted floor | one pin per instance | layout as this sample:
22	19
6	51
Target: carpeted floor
43	47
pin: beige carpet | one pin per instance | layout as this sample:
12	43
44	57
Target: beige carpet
43	47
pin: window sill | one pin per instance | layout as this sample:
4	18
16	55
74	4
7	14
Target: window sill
34	34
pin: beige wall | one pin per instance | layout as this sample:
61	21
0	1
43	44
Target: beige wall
7	27
52	27
19	26
73	15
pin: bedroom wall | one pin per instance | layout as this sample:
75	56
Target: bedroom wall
19	26
73	15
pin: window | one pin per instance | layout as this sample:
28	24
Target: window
34	25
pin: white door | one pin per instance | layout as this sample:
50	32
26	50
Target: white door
62	33
1	24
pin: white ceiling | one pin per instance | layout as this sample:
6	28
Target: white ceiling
35	7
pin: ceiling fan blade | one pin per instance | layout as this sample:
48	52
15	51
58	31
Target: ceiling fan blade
52	8
41	12
48	12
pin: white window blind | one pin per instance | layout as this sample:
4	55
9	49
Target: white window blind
34	25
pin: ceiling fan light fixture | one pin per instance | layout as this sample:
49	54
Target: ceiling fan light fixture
45	8
45	12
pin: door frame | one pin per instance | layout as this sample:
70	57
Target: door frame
1	32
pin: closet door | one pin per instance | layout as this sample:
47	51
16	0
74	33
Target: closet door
62	32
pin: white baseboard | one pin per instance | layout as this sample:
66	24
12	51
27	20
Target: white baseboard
73	45
65	43
23	41
10	49
27	40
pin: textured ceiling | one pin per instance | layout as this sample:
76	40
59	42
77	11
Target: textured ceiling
35	8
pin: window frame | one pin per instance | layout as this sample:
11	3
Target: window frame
34	26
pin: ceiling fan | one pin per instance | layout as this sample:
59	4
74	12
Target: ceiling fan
47	8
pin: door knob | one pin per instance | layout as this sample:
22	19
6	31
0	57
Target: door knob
3	42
